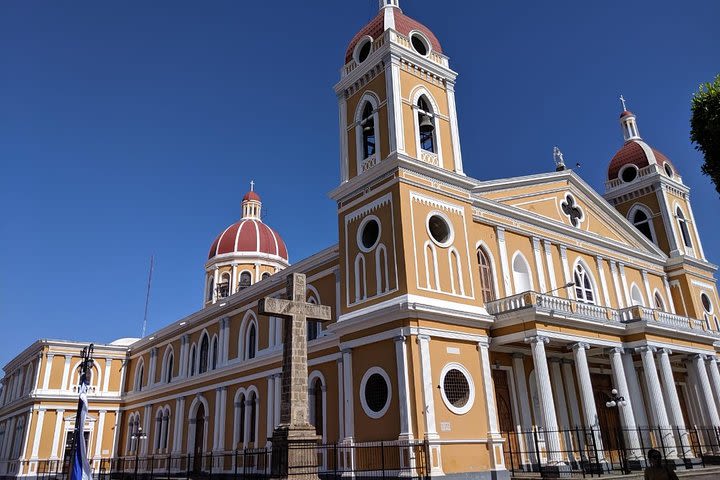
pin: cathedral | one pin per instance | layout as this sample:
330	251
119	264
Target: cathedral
481	319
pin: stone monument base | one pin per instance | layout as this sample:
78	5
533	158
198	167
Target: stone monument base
294	452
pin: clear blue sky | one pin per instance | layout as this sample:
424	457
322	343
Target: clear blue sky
133	128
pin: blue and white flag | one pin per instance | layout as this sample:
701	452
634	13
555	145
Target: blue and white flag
80	467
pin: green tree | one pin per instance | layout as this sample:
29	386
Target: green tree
705	128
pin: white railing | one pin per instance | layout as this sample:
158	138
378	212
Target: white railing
429	157
673	320
507	304
368	163
554	303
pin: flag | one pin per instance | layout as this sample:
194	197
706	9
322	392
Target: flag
80	467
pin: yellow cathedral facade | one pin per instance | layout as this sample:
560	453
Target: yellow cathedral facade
465	313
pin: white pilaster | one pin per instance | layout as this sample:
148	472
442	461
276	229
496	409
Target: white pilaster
99	432
106	375
550	265
226	343
495	439
278	396
668	294
623	279
616	283
655	395
55	447
394	105
561	404
233	279
454	129
342	120
66	373
539	264
428	392
547	405
587	396
223	419
566	272
627	414
48	371
667	221
270	419
147	418
603	281
504	265
403	390
691	218
341	401
648	293
348	395
37	434
178	425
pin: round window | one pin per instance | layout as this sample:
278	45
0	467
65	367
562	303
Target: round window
440	230
707	305
419	44
369	233
457	389
668	170
362	51
375	392
629	174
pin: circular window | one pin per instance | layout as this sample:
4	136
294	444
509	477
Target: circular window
420	43
707	305
362	49
668	170
439	229
369	233
629	173
375	392
457	388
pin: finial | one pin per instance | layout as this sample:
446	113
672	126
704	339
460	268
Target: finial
559	160
622	100
252	185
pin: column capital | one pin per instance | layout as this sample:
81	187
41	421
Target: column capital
612	350
346	351
518	355
399	339
664	351
484	343
423	338
646	348
537	339
697	356
580	346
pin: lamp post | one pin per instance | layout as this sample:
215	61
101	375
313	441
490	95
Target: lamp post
615	400
137	436
619	401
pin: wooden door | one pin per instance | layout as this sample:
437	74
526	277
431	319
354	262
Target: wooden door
608	417
199	438
503	400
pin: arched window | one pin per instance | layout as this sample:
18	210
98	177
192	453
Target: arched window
636	296
521	274
659	303
487	282
360	278
245	280
251	342
253	418
158	430
211	289
169	364
165	429
583	286
316	408
193	360
642	222
223	288
204	350
426	125
214	359
265	275
683	228
368	131
139	377
313	327
241	423
382	274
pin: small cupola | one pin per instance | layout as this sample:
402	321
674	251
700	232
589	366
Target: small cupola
251	204
628	123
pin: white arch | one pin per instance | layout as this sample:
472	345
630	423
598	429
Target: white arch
237	409
488	253
317	375
656	294
368	96
455	271
522	275
214	352
249	319
382	275
169	350
593	284
94	376
636	296
192	419
371	98
139	375
415	94
204	334
646	210
312	291
360	278
436	275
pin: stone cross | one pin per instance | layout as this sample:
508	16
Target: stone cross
622	100
296	311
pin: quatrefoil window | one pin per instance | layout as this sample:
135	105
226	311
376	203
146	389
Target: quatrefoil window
574	212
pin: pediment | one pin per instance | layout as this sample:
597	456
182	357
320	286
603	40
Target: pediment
565	200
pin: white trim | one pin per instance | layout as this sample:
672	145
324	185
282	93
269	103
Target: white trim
471	385
603	282
639	207
451	233
567	275
633	290
374	100
454	129
539	264
550	264
362	225
363	385
417	92
504	265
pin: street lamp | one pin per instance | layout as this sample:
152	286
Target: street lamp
137	436
615	399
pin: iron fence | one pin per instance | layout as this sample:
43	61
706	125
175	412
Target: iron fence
588	451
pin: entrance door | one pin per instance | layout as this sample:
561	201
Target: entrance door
69	445
199	438
608	417
502	398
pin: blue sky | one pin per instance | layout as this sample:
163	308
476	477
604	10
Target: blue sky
133	128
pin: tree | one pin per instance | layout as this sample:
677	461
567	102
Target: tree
705	128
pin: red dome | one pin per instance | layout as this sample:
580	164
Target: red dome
403	24
249	235
635	152
251	195
626	113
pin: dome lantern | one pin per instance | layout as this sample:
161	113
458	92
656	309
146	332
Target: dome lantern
628	123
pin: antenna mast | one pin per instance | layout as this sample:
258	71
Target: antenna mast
147	297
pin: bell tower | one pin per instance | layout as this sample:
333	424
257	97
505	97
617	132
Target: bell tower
396	98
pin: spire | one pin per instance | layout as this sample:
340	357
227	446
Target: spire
628	123
251	204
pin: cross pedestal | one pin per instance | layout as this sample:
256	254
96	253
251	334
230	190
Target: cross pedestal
294	441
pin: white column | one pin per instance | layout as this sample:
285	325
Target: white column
37	434
603	281
616	283
348	394
342	120
270	419
706	389
670	301
147	418
428	387
627	413
216	416
48	370
233	279
623	280
153	367
494	438
569	384
524	405
403	390
99	432
216	277
226	343
106	375
636	396
550	264
712	366
184	346
562	408
567	275
396	136
223	419
341	401
504	265
539	265
547	405
55	448
675	411
66	373
177	425
655	395
582	370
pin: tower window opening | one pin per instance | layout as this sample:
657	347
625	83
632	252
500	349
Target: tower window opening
245	280
368	131
682	222
419	44
629	173
642	223
223	288
426	125
204	350
706	303
363	50
668	170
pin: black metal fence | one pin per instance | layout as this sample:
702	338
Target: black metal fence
588	452
377	460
